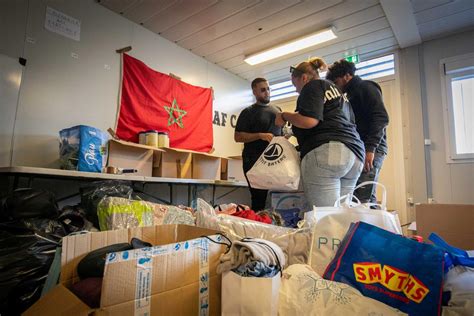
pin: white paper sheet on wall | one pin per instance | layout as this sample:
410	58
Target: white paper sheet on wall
62	24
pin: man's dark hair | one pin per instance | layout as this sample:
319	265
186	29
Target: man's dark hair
256	81
340	69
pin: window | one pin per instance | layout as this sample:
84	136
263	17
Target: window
369	69
458	93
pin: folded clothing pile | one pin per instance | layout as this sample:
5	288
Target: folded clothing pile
295	243
251	215
253	257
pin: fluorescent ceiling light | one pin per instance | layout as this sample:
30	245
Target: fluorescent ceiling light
291	47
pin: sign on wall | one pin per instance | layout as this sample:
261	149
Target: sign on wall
62	24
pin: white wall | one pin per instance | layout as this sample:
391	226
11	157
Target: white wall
451	183
59	91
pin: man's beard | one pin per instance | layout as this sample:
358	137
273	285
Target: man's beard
263	101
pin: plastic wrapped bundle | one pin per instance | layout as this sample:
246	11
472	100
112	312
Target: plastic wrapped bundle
170	214
295	243
119	213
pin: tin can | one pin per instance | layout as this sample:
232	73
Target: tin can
152	138
163	139
142	138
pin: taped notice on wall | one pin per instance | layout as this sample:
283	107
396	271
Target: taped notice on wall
62	24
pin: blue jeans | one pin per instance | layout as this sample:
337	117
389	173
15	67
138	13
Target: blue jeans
329	171
367	192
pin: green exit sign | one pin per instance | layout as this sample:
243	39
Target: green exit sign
352	58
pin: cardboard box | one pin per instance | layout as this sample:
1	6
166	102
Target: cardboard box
186	164
206	166
173	163
232	169
129	155
454	223
180	278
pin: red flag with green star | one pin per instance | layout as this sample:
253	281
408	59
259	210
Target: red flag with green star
151	100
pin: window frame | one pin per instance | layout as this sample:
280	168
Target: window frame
447	77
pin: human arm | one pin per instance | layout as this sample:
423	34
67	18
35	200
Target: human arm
296	119
244	137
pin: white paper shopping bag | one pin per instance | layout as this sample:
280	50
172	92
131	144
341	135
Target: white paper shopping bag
278	168
249	295
330	224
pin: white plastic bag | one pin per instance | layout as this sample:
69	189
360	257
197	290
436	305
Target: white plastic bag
278	168
460	282
330	225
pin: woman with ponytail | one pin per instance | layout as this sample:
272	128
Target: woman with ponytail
332	152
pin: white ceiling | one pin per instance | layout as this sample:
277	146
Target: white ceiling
225	31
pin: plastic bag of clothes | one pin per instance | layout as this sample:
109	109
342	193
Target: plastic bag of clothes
28	203
295	243
73	219
25	258
459	279
91	195
120	213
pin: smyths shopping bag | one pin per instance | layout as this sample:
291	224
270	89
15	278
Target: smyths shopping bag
390	268
249	295
330	225
278	168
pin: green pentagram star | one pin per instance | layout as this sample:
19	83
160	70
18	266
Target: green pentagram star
175	108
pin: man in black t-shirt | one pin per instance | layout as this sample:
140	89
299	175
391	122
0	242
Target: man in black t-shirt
256	128
371	119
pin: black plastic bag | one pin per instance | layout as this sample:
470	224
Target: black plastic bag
73	219
28	203
91	195
25	259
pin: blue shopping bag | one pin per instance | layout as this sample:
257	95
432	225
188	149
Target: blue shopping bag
453	256
390	268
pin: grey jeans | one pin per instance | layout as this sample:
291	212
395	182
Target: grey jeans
329	171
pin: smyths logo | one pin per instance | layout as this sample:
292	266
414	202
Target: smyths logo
392	278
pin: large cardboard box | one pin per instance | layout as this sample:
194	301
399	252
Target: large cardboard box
129	155
178	278
454	223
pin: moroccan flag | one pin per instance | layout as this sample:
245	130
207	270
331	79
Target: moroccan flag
154	101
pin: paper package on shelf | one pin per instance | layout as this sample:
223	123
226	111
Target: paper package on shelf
295	243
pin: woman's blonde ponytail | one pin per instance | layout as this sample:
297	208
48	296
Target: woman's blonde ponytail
318	64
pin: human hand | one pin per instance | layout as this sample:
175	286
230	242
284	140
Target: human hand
369	161
279	121
266	136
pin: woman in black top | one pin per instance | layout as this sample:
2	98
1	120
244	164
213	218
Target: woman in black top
332	152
